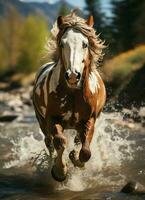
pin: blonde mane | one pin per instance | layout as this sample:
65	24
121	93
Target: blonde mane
73	21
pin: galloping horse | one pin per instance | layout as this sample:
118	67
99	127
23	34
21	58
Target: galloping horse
69	92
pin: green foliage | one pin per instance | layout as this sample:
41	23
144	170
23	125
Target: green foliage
34	36
3	53
10	36
21	42
119	69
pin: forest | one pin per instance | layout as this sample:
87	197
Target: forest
23	39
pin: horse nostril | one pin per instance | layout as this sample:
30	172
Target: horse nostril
66	75
78	75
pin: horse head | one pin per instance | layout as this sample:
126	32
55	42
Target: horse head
74	50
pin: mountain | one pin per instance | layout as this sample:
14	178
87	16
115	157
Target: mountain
50	11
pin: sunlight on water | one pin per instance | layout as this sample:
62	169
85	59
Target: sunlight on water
110	147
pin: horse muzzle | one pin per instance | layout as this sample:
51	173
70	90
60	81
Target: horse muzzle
72	79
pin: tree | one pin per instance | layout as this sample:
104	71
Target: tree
35	32
126	14
122	25
63	9
3	51
22	41
11	27
139	24
93	7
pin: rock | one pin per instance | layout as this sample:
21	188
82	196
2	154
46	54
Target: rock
16	104
134	188
142	112
127	112
8	117
4	86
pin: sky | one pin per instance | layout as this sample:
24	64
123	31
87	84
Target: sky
78	3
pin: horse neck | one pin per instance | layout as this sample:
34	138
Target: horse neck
61	68
86	86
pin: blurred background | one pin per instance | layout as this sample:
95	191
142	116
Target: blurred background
25	27
118	147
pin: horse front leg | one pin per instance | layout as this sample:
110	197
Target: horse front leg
74	154
86	137
59	169
86	130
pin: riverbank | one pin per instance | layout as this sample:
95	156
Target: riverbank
16	105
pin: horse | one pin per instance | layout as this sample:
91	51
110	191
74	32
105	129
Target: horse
69	91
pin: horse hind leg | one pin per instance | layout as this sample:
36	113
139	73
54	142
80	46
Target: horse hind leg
49	144
74	154
74	157
48	139
47	134
77	140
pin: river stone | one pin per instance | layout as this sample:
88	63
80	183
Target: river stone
142	112
134	188
8	117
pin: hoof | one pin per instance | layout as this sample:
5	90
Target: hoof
72	155
58	177
133	187
76	162
85	154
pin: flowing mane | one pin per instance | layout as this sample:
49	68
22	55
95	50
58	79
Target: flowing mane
96	45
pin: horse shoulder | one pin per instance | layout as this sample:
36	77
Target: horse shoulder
95	93
40	91
101	94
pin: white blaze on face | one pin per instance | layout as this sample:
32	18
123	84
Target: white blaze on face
74	50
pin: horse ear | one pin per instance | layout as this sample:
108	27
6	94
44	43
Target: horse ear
59	21
90	21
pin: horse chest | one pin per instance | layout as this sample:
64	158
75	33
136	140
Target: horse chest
72	109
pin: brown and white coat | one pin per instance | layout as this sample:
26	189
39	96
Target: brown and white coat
61	103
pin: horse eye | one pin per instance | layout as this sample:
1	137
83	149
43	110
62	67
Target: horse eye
85	45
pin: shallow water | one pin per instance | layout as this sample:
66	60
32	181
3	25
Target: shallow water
118	156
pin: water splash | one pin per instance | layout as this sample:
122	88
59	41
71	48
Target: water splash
24	149
110	148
